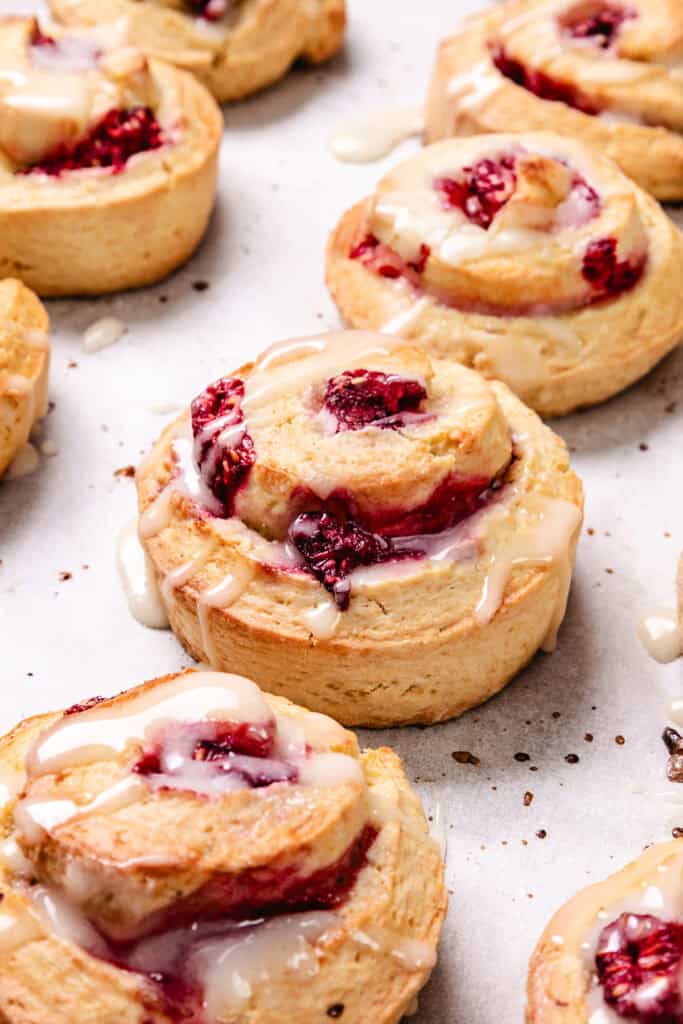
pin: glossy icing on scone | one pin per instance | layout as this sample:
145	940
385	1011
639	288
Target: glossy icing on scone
529	257
614	953
362	524
24	363
99	148
234	47
194	850
603	71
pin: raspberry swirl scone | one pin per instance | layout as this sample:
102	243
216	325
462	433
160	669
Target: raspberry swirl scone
528	257
24	364
604	71
197	851
234	46
107	161
374	533
614	953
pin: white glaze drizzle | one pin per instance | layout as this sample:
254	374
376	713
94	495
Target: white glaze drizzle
323	619
660	633
412	954
139	581
103	333
545	538
376	135
221	596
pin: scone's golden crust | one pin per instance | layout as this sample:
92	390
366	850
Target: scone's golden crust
631	84
24	364
515	299
97	230
422	639
562	986
253	46
370	953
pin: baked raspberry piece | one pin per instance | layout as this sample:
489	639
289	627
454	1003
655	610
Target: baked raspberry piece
333	547
120	135
539	83
480	191
638	960
606	273
211	10
359	398
599	23
223	452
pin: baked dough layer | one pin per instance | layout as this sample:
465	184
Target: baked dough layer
24	365
248	50
462	305
635	85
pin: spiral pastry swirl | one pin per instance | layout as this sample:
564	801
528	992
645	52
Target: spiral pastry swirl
234	47
372	530
99	148
614	952
24	363
196	850
604	71
528	257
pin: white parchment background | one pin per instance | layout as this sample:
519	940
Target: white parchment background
281	191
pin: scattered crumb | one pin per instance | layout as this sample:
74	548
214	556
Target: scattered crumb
163	298
201	286
588	737
128	471
541	834
677	832
64	576
528	798
590	531
465	757
557	714
619	740
610	572
522	757
572	758
644	447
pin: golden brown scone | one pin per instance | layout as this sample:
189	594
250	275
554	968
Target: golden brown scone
107	161
602	71
375	533
196	850
613	953
528	257
234	47
24	364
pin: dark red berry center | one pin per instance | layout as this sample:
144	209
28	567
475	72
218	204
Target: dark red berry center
608	275
479	191
223	452
120	135
359	398
638	961
599	23
333	547
211	10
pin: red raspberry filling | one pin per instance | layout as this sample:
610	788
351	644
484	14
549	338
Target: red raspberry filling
638	961
541	84
120	135
211	10
223	453
40	39
480	191
600	25
387	263
359	398
606	273
214	750
333	547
